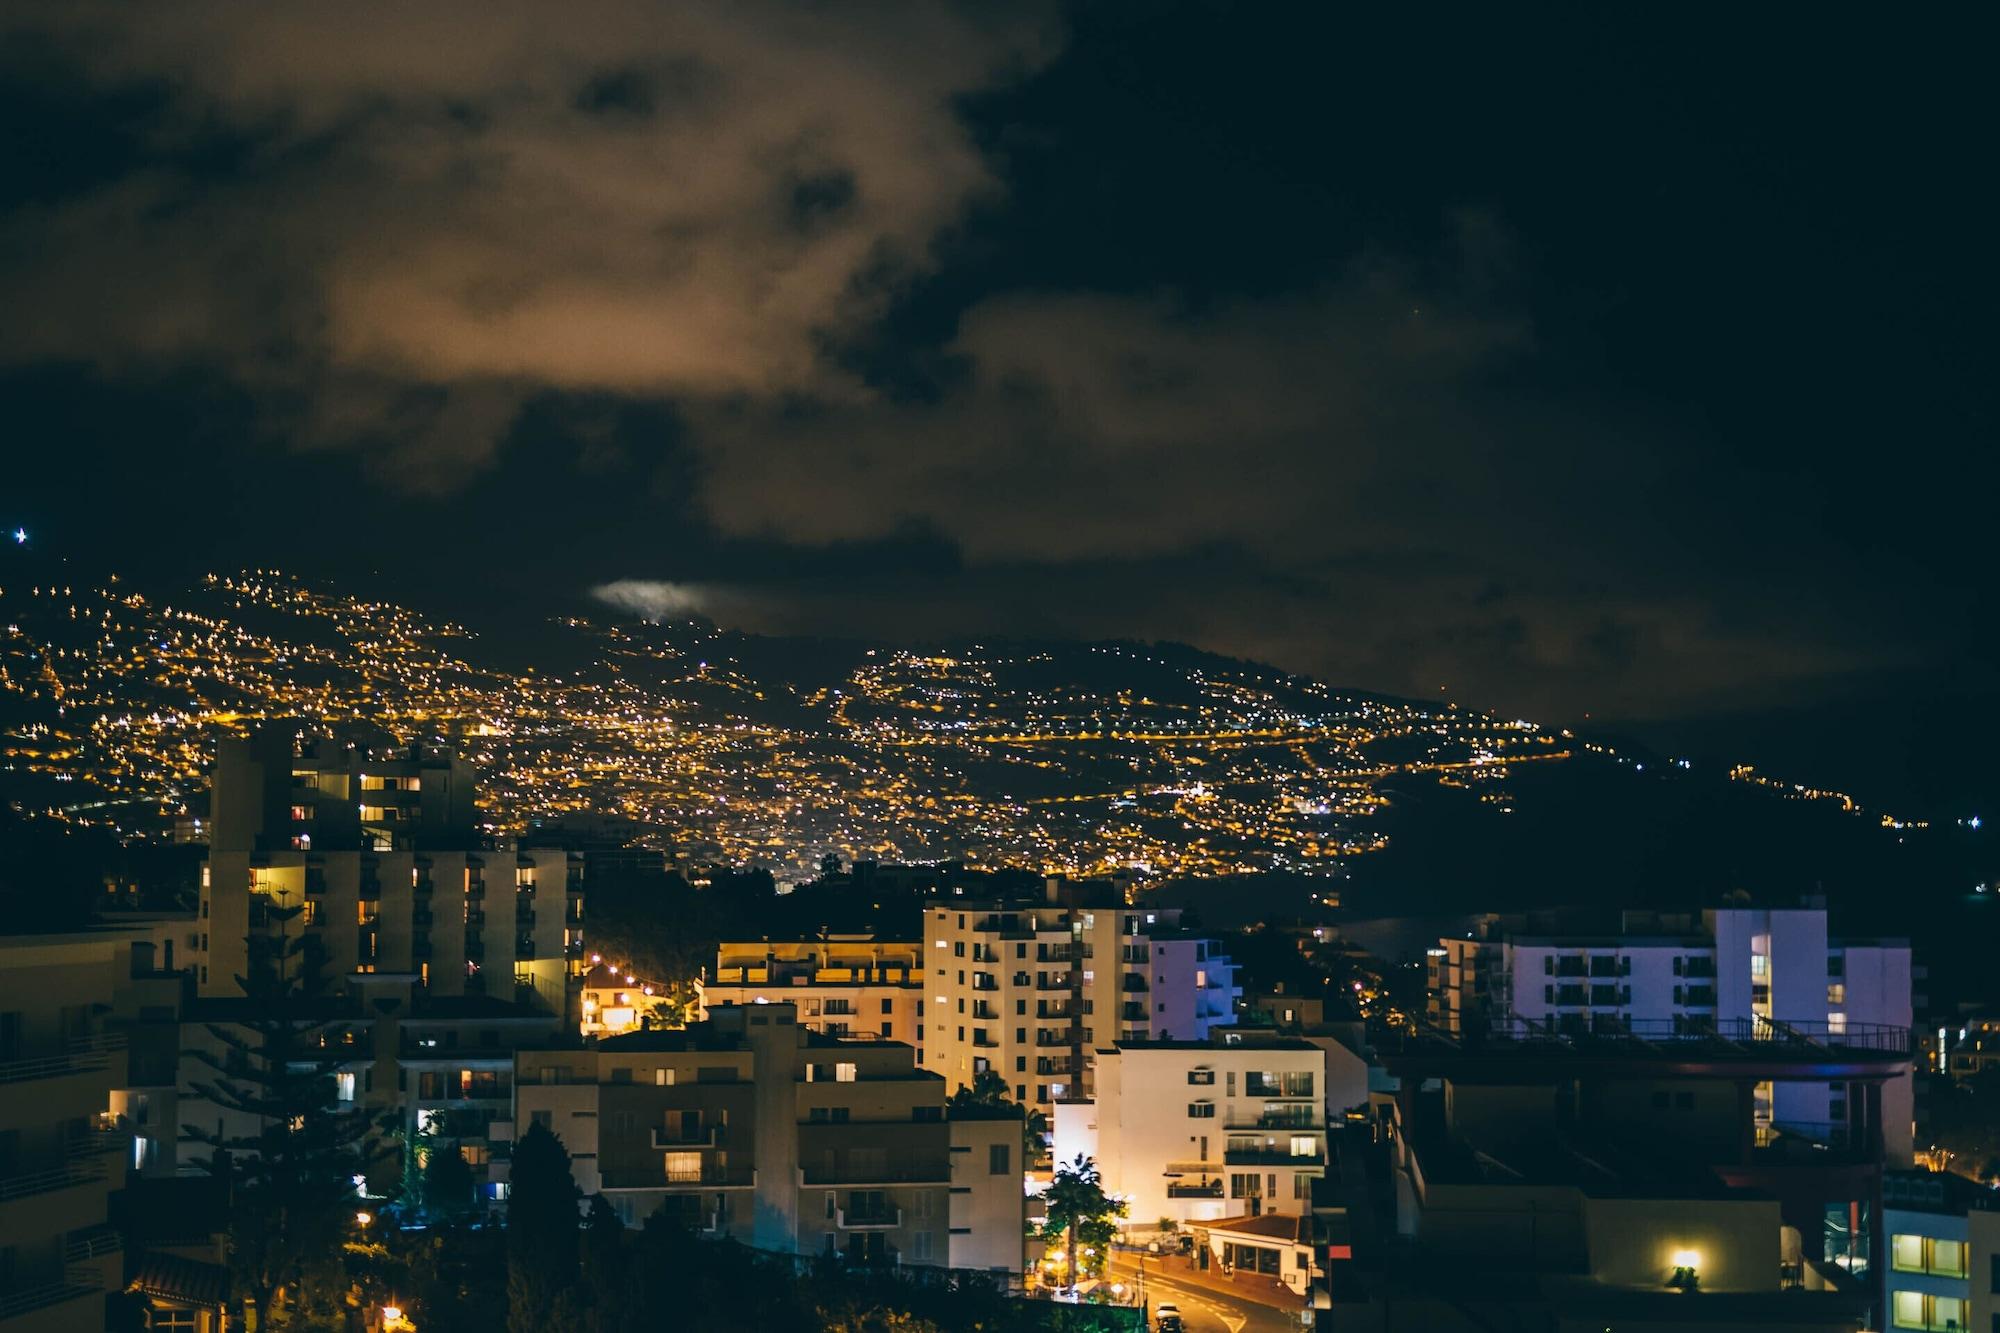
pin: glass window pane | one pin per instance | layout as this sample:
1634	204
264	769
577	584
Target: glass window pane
1906	1253
1948	1258
1906	1308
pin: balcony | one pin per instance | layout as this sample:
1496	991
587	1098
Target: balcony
708	1136
420	948
1211	1189
1808	1143
1272	1156
524	917
1057	1009
18	1304
868	1219
1280	1117
984	981
984	1042
982	1011
712	1175
1133	1013
1053	981
54	1199
71	1081
475	948
85	1055
1135	982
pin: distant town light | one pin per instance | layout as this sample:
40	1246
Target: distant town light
20	536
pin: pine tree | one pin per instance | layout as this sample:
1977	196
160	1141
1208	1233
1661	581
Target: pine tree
542	1221
291	1180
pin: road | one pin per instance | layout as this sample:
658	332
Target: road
1204	1310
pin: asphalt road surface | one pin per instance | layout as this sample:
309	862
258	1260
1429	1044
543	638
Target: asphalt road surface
1203	1310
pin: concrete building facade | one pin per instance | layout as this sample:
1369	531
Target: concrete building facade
1944	1253
505	924
1673	974
750	1126
1198	1131
1031	991
843	985
62	1149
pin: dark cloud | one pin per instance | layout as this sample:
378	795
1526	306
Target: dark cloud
476	203
1516	365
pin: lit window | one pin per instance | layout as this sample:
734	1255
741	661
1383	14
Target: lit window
844	1072
1948	1259
343	1087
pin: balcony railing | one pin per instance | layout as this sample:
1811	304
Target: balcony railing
868	1219
71	1175
711	1174
1271	1157
708	1136
1280	1117
1202	1190
17	1303
78	1057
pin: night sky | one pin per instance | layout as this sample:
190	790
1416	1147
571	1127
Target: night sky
1634	365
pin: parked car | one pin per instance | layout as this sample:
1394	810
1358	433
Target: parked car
1167	1318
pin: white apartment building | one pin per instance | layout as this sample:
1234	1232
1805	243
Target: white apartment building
1032	990
1944	1252
1197	1131
1674	974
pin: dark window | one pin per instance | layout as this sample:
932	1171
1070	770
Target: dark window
998	1159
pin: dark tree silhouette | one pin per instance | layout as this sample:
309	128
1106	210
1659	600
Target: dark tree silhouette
292	1160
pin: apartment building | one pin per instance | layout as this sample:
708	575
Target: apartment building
505	924
1944	1253
1664	974
1590	1180
1031	990
1971	1047
439	1066
378	853
62	1153
1199	1131
842	985
751	1126
282	789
